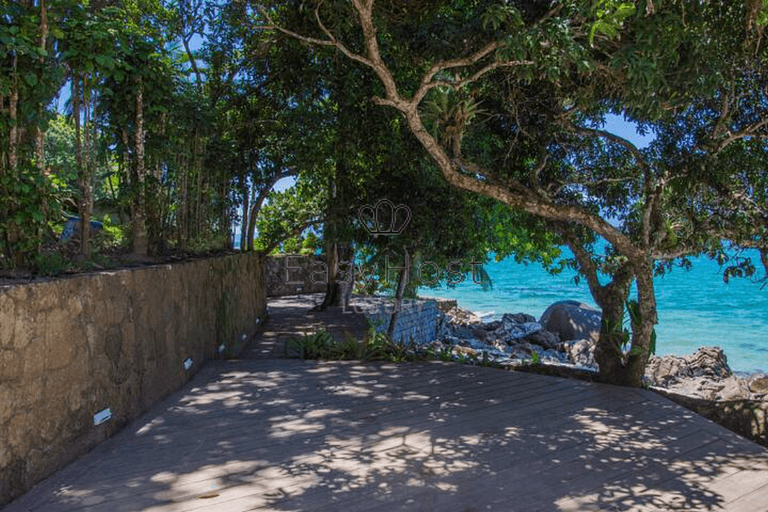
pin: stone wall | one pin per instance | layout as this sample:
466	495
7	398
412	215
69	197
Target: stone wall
746	417
417	320
71	348
292	274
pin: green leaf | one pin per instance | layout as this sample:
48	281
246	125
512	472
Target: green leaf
31	79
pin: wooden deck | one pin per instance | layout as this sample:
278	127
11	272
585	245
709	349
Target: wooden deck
286	435
290	435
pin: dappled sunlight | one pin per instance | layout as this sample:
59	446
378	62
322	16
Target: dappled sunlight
285	427
347	436
626	436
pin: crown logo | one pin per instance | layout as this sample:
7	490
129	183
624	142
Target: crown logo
384	218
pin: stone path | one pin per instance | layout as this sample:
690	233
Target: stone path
286	435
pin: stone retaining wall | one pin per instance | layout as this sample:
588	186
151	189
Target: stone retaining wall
416	322
71	348
748	418
291	274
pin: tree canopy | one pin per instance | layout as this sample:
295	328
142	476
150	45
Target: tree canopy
545	75
486	118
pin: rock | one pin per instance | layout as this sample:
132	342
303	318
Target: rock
572	320
461	316
580	352
554	356
518	318
727	389
511	332
465	351
733	388
709	361
490	326
758	383
546	339
705	362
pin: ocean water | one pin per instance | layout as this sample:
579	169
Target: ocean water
696	308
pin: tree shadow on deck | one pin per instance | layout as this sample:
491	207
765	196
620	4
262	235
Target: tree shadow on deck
292	435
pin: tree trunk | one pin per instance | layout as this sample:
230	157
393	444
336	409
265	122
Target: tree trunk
643	332
127	166
256	203
40	136
611	299
245	225
398	306
86	207
140	242
13	135
340	262
181	215
608	351
83	182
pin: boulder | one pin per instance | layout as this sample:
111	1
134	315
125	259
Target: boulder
546	339
517	318
572	320
512	332
461	316
580	352
758	384
707	362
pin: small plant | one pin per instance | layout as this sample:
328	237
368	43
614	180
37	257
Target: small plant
487	362
446	354
315	346
52	264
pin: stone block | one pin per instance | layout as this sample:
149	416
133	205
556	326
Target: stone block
11	366
7	319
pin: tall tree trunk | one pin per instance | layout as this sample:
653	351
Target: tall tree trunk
127	164
181	218
140	242
252	216
86	153
39	135
246	218
83	182
13	136
398	306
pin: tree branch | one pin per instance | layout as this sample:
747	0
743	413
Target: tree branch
749	131
294	232
331	41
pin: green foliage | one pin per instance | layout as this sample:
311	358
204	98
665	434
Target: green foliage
610	15
375	347
633	308
53	264
24	219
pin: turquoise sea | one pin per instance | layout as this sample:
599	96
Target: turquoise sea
696	308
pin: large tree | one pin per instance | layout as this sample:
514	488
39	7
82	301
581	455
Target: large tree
546	73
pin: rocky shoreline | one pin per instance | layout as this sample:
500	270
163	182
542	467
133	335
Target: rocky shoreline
565	336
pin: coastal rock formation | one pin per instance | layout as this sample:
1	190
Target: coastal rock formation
513	339
706	362
572	320
580	352
758	384
704	382
701	381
